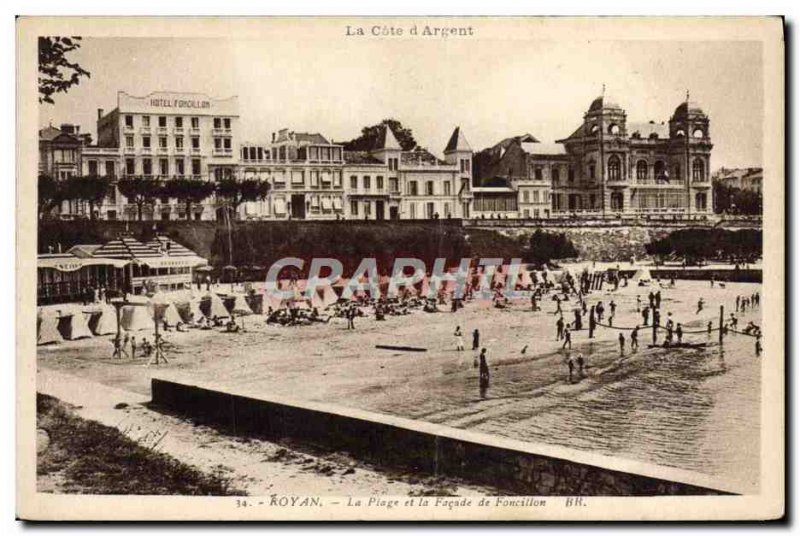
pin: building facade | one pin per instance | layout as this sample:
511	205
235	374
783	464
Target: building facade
606	168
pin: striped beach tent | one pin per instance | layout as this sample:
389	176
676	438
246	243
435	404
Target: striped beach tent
47	332
104	322
74	326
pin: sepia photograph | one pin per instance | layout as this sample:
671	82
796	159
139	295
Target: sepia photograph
411	268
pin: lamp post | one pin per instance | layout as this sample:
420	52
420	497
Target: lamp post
158	351
118	349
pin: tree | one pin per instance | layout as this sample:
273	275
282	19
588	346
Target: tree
56	73
91	188
238	192
732	199
139	191
189	191
547	246
50	194
370	136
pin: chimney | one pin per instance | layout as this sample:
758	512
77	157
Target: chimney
99	114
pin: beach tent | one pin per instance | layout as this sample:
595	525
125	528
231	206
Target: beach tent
136	318
524	279
74	326
240	306
48	330
217	307
642	276
104	322
171	316
192	313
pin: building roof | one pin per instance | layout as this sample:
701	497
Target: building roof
306	138
167	246
493	190
360	157
52	133
540	148
458	142
387	140
126	247
84	250
688	107
604	102
647	129
420	156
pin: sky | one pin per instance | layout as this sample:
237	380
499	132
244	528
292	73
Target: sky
491	88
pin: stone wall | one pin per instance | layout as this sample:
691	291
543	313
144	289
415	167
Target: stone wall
514	467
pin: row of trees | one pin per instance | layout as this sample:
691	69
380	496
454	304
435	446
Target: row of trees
705	244
729	199
143	191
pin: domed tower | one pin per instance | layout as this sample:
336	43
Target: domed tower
690	155
605	161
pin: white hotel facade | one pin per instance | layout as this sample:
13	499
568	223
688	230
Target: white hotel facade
168	135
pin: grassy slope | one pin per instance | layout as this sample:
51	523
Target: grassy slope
87	457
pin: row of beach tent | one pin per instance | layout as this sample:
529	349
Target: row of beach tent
79	323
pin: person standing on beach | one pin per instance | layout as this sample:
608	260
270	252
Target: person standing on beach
558	305
638	303
613	307
635	338
621	343
459	339
658	299
581	363
679	333
559	328
483	367
476	339
133	347
737	303
570	367
567	339
699	305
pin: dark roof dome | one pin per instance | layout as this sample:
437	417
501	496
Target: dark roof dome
688	107
604	102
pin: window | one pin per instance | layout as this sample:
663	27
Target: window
698	133
195	142
413	211
591	169
536	196
195	122
146	142
379	183
163	167
110	171
130	166
571	174
354	207
92	167
217	123
128	121
594	129
129	142
146	121
179	142
641	170
555	174
147	166
660	170
537	173
412	188
700	201
526	196
162	121
162	142
226	143
698	170
614	168
677	172
195	166
613	128
217	144
179	122
393	184
429	188
227	123
353	182
179	168
447	188
367	184
392	164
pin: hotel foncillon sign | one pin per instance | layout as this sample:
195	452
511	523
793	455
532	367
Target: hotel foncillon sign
180	103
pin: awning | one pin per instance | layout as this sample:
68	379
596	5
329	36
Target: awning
174	262
63	264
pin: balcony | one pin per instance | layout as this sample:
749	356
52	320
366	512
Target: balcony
178	130
195	150
163	150
195	130
130	150
179	150
222	152
144	130
147	150
221	132
162	130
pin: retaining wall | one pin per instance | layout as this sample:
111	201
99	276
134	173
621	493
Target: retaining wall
521	468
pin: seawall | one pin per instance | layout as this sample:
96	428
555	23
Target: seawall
518	467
